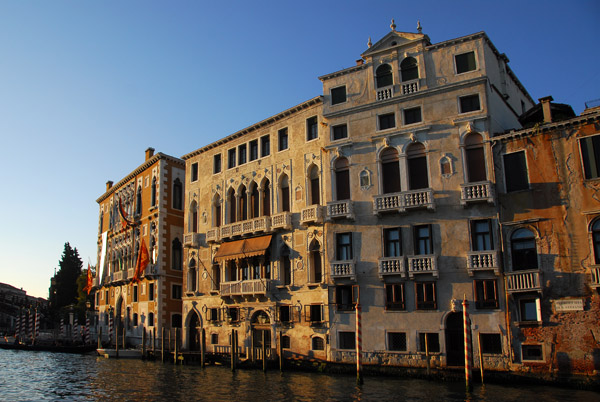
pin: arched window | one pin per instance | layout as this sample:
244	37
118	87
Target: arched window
254	201
318	343
266	198
342	179
284	193
153	197
138	201
390	171
596	240
231	206
383	76
192	276
193	223
313	177
475	158
409	70
417	166
177	254
216	211
286	267
243	211
316	267
177	194
523	249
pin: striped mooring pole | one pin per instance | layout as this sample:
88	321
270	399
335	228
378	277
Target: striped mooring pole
468	351
18	326
358	342
36	328
110	328
87	329
30	326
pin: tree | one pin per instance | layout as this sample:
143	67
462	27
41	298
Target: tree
82	294
63	290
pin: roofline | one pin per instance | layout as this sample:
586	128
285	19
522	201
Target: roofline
139	170
343	72
540	129
269	120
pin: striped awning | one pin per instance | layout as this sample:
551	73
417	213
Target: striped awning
238	249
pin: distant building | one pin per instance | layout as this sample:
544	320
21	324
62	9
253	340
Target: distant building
151	201
14	303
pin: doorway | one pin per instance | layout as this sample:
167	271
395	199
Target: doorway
455	341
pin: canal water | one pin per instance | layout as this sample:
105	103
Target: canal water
42	376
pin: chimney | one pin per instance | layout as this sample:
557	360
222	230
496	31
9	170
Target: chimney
545	101
360	62
149	153
109	185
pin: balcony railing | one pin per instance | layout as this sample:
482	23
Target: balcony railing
391	266
130	273
151	271
282	220
242	228
410	87
312	214
523	281
482	191
246	288
212	235
96	281
120	276
478	261
191	240
422	264
595	277
340	209
385	93
402	201
343	269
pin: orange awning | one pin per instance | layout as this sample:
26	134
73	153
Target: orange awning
235	250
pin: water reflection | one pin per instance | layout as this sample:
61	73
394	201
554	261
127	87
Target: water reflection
38	376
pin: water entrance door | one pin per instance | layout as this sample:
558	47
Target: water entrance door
455	347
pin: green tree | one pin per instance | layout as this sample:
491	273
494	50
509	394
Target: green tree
63	290
82	294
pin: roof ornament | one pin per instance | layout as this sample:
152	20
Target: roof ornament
393	25
419	28
369	43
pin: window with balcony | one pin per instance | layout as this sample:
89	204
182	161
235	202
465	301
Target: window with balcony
216	210
465	62
394	296
338	95
409	69
286	267
284	193
347	340
396	341
282	136
475	158
339	132
386	121
193	217
316	269
253	150
242	154
266	197
232	206
390	171
417	166
177	254
432	339
481	235
345	297
425	294
383	76
254	201
590	156
315	189
217	163
515	172
523	250
469	103
412	115
177	194
192	279
312	129
423	240
596	240
342	179
265	146
392	242
486	294
153	195
194	172
231	158
343	246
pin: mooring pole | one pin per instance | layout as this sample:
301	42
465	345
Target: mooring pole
202	346
264	350
359	379
232	348
143	343
162	346
280	347
124	340
117	340
480	356
100	338
175	348
468	352
154	342
427	356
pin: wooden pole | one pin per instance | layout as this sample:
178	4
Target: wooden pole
175	348
143	343
427	357
153	342
124	344
468	351
232	343
117	340
100	338
480	356
264	350
358	341
202	346
162	346
280	347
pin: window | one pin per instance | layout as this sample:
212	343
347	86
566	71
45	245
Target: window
345	298
150	319
192	277
176	292
265	146
465	62
135	319
242	154
212	314
394	296
153	195
340	132
392	243
194	171
316	270
151	292
596	240
486	294
481	235
286	267
315	189
318	343
313	313
469	103
135	293
475	158
590	155
177	252
412	115
515	172
217	163
231	158
177	194
396	341
285	315
138	203
390	171
523	250
285	342
417	166
433	342
423	240
214	339
530	310
491	344
285	193
312	131
409	70
338	95
347	340
425	295
532	352
386	121
233	314
253	150
283	139
383	76
343	249
342	179
176	321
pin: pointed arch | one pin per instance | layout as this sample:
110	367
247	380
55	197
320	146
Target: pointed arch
216	210
284	193
231	206
193	217
314	185
341	168
242	203
265	193
254	202
316	262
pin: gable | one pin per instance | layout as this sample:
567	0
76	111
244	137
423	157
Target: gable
394	39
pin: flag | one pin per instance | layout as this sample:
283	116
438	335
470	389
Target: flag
142	262
88	286
124	221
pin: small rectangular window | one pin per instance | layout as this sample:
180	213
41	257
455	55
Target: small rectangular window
394	296
213	314
412	115
340	132
265	146
347	340
194	172
491	344
231	158
135	319
312	131
433	342
285	314
396	341
233	314
392	242
465	62
151	292
285	342
481	235
242	154
590	155
529	310
344	298
423	241
176	292
532	352
486	294
469	103
313	313
426	296
338	95
343	246
387	121
217	164
253	150
283	139
515	172
135	293
214	339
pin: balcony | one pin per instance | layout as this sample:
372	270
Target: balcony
385	93
410	87
482	191
595	277
400	202
479	261
119	276
312	214
422	264
343	269
191	240
523	281
130	273
340	210
151	271
212	235
391	266
246	288
96	281
282	221
242	228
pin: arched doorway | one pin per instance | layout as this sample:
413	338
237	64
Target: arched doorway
455	342
194	331
261	329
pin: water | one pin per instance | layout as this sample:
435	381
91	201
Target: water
40	376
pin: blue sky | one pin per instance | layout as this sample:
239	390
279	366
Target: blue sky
87	86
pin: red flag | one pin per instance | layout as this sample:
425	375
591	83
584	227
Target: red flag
88	286
142	262
124	221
